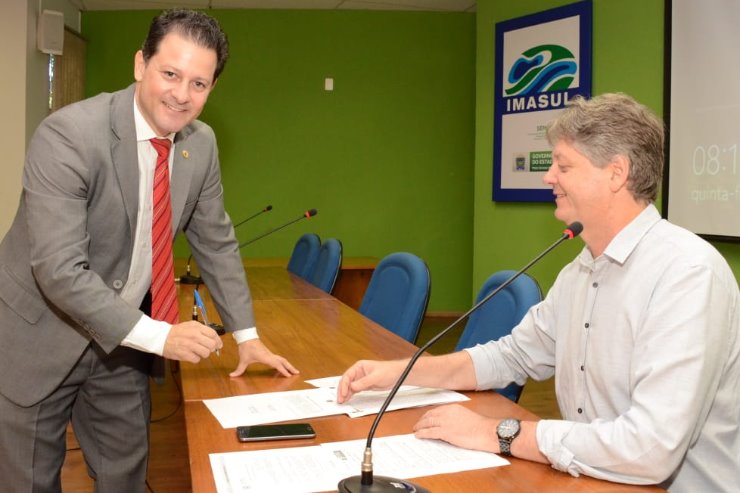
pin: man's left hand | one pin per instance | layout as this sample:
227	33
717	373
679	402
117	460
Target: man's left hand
255	352
459	426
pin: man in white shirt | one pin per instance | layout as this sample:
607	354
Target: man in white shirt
640	330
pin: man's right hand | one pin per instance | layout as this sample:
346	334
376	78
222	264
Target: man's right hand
368	375
191	341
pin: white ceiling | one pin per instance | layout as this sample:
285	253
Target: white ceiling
429	5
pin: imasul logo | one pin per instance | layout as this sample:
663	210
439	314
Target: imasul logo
540	69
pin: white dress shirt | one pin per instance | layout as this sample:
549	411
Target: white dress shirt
148	334
643	342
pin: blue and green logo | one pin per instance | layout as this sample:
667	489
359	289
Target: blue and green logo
540	69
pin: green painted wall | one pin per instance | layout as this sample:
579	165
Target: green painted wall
627	57
386	158
507	235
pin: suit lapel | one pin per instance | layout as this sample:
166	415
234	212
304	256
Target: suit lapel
124	152
182	173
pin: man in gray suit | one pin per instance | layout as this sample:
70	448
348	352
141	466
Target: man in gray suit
75	266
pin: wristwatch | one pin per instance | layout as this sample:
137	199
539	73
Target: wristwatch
507	430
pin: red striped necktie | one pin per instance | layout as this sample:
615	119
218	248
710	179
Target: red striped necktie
164	295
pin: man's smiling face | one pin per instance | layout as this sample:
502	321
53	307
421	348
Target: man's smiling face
174	84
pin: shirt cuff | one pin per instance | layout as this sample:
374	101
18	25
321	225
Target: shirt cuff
245	335
148	335
550	436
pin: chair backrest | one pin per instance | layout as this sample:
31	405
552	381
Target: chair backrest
305	253
398	294
499	315
325	273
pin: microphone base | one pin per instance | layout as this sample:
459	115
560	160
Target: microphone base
380	484
188	279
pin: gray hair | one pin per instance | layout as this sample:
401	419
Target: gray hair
613	125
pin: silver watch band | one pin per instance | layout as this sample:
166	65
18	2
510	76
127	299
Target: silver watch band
504	445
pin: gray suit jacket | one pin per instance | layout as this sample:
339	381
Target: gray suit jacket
67	254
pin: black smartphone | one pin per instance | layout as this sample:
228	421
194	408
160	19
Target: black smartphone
274	432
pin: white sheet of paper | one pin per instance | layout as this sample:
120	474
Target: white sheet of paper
287	470
321	467
333	383
330	382
369	401
273	407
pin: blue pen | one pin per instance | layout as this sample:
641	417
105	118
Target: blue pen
202	308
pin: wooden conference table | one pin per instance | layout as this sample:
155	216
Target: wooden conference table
322	337
352	280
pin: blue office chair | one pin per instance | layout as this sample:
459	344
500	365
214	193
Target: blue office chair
326	270
304	256
398	294
499	315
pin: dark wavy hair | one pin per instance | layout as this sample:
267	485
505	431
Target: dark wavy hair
196	26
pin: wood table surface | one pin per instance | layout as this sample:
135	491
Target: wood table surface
322	336
352	280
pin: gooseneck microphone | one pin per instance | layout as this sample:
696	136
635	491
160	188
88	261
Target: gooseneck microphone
266	209
188	278
308	214
366	483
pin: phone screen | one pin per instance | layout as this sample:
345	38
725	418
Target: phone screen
275	432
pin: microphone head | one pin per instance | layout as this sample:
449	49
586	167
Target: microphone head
310	213
573	230
268	208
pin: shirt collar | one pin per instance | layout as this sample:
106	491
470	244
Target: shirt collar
143	130
626	240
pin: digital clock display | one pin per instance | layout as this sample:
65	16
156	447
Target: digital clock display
713	159
701	189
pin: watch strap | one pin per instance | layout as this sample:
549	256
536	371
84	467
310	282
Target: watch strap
504	445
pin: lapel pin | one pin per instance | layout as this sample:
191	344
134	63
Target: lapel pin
185	154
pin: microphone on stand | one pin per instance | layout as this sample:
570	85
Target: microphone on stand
308	214
188	278
366	483
266	209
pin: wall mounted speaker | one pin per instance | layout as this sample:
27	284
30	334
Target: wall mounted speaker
50	33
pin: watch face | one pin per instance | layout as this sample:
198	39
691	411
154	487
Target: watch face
508	428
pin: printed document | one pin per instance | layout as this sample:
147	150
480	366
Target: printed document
273	407
321	467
